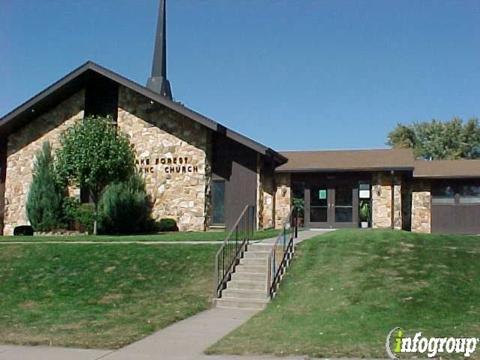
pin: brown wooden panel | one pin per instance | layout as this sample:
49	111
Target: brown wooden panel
456	219
237	165
240	191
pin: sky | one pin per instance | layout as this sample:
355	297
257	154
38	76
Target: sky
291	74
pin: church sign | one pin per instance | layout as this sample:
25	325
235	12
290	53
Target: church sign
167	164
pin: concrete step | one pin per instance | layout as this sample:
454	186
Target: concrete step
247	285
251	268
256	255
260	247
244	294
252	261
237	303
261	276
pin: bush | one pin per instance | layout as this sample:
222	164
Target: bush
124	208
85	217
167	225
23	230
45	198
77	215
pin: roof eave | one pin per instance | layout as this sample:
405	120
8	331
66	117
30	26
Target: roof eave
325	170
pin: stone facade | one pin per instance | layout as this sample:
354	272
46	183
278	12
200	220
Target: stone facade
265	198
172	155
21	149
382	201
421	207
283	198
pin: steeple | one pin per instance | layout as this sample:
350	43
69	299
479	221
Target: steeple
158	81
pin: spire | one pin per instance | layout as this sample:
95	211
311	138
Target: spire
158	81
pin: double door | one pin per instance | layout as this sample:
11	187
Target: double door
331	205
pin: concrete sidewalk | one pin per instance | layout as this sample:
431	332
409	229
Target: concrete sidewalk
184	340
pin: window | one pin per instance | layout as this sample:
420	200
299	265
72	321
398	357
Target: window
218	202
455	193
443	195
469	194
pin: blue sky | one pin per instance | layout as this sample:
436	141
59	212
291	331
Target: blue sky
292	74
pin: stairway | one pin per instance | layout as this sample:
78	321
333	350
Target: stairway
247	288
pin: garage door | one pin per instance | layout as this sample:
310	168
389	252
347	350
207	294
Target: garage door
456	208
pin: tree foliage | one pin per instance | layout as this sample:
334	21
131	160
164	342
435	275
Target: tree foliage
45	197
433	140
94	155
124	208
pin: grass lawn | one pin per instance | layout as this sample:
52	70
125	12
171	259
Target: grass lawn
99	296
347	289
168	236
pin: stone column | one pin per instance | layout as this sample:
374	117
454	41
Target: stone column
283	198
421	207
266	198
382	201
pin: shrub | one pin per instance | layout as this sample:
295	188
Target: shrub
77	215
85	217
167	225
23	230
124	208
45	198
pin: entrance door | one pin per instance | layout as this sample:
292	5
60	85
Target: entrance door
318	206
331	206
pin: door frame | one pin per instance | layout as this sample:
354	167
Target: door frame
330	185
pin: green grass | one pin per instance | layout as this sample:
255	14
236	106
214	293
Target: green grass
99	296
168	236
347	289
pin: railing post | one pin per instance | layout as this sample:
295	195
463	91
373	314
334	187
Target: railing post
296	222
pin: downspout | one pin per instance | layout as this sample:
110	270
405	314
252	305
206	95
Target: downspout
392	200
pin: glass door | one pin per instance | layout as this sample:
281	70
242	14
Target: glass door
318	205
343	204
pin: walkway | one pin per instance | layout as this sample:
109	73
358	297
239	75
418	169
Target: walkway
184	340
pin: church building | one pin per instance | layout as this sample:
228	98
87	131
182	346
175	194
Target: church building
203	174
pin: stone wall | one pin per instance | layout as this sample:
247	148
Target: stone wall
21	149
382	201
421	207
283	198
172	155
265	198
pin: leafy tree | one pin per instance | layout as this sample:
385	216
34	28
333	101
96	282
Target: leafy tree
45	197
435	139
93	155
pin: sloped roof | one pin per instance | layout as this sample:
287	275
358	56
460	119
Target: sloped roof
77	79
447	169
347	160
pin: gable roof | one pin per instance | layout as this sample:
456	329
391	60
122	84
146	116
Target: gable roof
347	160
77	79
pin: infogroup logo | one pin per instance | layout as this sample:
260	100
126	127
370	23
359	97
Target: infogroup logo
398	343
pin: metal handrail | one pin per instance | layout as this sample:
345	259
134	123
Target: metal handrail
282	250
233	247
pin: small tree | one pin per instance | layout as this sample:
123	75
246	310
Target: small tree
44	201
94	155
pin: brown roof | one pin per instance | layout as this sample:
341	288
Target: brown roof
347	160
77	79
447	168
